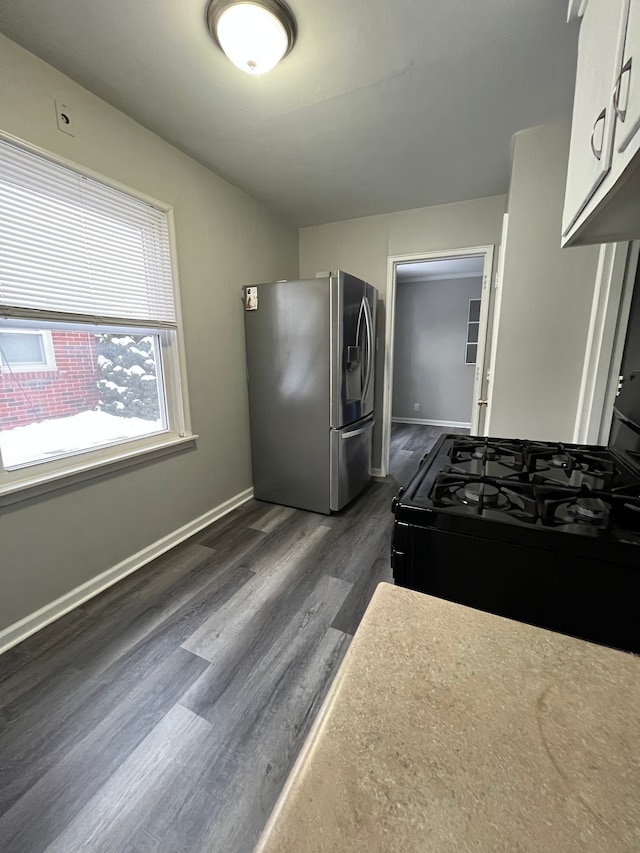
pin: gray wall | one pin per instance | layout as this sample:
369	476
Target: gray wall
429	353
546	300
224	240
363	246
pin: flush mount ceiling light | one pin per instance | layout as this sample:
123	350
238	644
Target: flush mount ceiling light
255	35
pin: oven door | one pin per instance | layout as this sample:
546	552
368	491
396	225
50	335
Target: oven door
595	600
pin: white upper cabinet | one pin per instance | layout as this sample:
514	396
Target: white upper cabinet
627	91
592	131
602	201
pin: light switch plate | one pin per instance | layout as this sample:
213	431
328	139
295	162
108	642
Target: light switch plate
64	117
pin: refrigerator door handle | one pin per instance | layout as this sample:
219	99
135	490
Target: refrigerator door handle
370	352
356	432
359	327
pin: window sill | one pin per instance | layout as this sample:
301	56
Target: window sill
41	484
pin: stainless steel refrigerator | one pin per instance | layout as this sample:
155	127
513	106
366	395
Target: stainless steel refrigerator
310	370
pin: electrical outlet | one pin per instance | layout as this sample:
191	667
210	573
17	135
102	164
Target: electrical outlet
64	118
416	407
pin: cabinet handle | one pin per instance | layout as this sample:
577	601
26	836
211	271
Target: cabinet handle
626	69
597	152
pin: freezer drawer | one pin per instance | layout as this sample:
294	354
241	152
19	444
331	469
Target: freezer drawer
350	461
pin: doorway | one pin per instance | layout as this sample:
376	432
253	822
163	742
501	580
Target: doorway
436	339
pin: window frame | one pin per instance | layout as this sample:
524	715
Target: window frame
472	323
46	366
42	477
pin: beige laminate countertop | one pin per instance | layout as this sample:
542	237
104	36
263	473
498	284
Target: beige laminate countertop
452	730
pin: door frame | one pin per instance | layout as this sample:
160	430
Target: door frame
496	308
390	305
610	308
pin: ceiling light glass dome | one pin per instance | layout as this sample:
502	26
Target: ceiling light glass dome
254	35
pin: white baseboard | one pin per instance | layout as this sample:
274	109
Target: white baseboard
426	422
376	472
19	631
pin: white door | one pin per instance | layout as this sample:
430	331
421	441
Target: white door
627	93
599	61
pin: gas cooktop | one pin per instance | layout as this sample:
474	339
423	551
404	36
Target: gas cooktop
582	490
542	532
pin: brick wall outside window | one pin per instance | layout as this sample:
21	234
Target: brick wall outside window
68	390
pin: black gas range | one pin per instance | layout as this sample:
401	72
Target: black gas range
544	533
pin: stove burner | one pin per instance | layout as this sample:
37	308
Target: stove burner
561	460
586	512
575	466
591	509
508	452
485	452
475	492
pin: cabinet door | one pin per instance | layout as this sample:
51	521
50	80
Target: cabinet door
627	95
599	60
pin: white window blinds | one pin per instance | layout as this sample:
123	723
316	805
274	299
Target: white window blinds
74	248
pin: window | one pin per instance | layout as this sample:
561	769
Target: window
473	329
26	351
88	323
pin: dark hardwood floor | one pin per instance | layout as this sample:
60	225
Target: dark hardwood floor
164	715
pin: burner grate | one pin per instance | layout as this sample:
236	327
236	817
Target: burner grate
573	466
484	496
590	512
466	448
538	463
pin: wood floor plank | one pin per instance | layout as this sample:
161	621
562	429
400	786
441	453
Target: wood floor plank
263	717
234	542
43	812
155	775
35	741
352	611
240	519
100	620
255	657
92	653
256	767
288	537
55	635
406	465
272	518
237	782
357	538
420	438
218	635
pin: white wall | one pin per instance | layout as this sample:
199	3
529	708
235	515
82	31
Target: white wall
225	239
429	351
546	301
362	247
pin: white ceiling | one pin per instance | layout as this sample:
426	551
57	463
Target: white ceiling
381	105
449	268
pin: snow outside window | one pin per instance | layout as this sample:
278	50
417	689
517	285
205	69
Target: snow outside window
89	338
